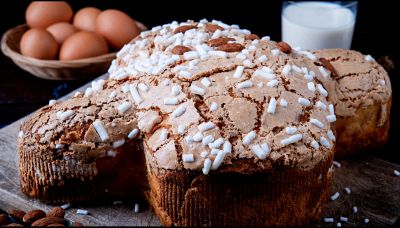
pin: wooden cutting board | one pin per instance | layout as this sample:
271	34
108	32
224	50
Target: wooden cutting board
375	191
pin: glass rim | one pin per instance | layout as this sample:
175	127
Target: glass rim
347	5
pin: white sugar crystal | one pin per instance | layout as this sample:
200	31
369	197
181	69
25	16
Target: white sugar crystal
218	160
221	54
324	73
314	144
135	94
343	219
190	55
163	135
207	140
171	101
291	130
143	87
52	102
59	146
324	142
329	220
241	56
20	134
322	90
136	208
238	72
262	58
197	90
275	52
396	173
214	151
204	154
269	75
258	151
308	77
292	139
271	106
189	139
217	143
369	58
227	147
133	133
206	82
286	69
366	220
260	84
304	70
252	48
213	107
66	206
185	74
198	137
317	123
245	52
297	69
176	90
118	143
206	166
98	85
64	115
82	212
187	158
320	105
331	118
273	83
178	111
99	127
266	38
331	109
245	84
112	95
165	82
206	126
303	101
181	129
248	63
311	86
355	210
249	137
122	108
337	164
283	103
125	88
347	190
335	196
338	224
216	34
88	92
382	82
331	136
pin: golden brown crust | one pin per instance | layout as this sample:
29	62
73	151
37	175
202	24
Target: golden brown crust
284	197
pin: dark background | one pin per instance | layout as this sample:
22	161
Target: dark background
376	33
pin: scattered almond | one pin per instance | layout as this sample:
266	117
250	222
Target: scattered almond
184	28
251	37
47	221
17	214
4	220
328	66
56	212
219	41
210	27
234	47
33	215
180	49
284	47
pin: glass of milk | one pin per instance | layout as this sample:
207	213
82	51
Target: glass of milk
318	25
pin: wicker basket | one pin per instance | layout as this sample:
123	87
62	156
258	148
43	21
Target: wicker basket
54	69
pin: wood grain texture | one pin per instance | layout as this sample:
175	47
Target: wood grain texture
375	191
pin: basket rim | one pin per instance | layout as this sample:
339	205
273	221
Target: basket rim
16	56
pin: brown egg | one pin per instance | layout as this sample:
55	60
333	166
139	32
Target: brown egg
85	19
43	14
39	43
116	27
83	45
61	31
